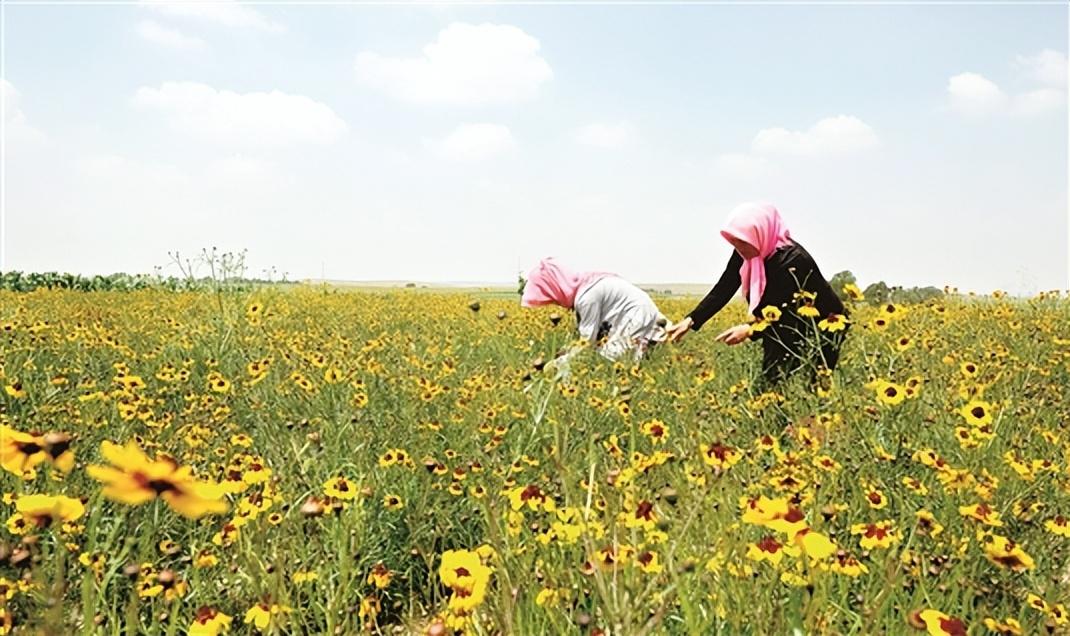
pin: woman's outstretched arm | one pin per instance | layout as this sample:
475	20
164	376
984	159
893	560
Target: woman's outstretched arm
719	296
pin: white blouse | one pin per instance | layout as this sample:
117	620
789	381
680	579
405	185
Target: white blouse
633	318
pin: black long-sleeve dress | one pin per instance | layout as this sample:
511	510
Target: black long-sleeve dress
788	271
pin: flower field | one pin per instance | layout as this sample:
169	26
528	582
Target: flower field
319	462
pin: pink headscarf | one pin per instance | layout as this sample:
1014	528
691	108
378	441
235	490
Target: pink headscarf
760	226
548	283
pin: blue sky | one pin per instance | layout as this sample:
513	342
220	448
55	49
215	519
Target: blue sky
913	144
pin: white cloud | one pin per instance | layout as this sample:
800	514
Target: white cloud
225	12
607	135
152	31
465	65
16	127
1039	101
254	119
1047	67
975	95
475	142
832	136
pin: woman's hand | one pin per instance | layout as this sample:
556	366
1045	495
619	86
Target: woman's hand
676	332
734	335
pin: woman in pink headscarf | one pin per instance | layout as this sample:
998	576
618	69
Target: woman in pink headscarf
611	313
791	302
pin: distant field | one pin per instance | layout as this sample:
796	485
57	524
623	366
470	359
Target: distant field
494	289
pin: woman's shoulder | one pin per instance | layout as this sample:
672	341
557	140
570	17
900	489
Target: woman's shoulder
792	255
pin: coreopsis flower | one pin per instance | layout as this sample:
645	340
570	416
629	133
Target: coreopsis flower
464	573
876	499
648	562
1008	554
21	452
263	614
833	323
640	515
890	393
852	292
848	565
927	523
771	314
380	576
340	488
769	549
134	479
42	511
1007	627
302	576
15	390
1059	526
719	456
531	497
209	622
916	486
937	623
1037	603
205	559
806	307
775	514
656	430
393	502
814	544
977	413
981	512
881	534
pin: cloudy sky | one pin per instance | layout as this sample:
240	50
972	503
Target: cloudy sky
914	144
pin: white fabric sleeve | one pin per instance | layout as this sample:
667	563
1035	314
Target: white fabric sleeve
589	310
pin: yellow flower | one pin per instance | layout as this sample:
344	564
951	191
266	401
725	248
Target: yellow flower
648	562
209	622
719	456
881	534
393	502
937	623
1008	554
21	452
833	323
1006	627
1059	526
770	313
890	393
340	488
300	577
853	292
380	576
41	511
814	544
981	512
134	479
656	430
15	390
977	413
261	615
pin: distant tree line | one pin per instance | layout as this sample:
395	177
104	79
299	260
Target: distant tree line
880	292
25	282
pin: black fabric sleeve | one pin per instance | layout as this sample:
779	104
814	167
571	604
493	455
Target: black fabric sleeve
719	296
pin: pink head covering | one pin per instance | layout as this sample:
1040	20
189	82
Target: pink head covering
760	226
548	283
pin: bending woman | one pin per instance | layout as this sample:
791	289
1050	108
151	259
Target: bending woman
609	310
798	318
